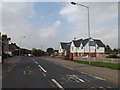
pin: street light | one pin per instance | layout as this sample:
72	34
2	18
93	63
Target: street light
74	3
20	43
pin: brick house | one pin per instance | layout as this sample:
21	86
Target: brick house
5	43
13	47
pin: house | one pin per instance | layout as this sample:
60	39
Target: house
5	44
56	52
13	47
76	47
64	46
94	47
83	46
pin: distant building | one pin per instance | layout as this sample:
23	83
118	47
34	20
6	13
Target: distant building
13	47
81	47
64	46
55	52
5	43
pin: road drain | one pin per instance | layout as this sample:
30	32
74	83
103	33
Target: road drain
26	72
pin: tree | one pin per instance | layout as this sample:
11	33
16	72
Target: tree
37	52
50	51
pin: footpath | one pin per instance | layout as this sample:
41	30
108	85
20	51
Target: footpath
110	75
9	63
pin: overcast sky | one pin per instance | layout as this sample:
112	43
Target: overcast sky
46	24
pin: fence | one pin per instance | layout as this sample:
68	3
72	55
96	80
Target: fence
109	60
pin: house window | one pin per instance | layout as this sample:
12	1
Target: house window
92	43
97	47
82	47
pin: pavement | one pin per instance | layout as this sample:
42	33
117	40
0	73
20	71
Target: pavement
9	63
100	72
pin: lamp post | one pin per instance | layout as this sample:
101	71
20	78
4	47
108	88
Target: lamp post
74	3
20	43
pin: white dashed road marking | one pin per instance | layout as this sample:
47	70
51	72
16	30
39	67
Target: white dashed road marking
57	84
42	68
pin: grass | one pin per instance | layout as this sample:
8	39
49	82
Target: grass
101	64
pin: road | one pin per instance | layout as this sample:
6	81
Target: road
36	72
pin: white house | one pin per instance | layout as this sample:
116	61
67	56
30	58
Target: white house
81	47
76	47
63	46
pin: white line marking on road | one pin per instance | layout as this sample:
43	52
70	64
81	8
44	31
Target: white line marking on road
57	84
81	80
42	69
93	76
11	68
44	74
65	66
33	60
36	62
70	68
83	73
75	78
98	78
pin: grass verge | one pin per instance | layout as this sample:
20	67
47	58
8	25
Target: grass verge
101	64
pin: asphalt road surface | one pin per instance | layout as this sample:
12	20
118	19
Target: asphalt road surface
35	72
